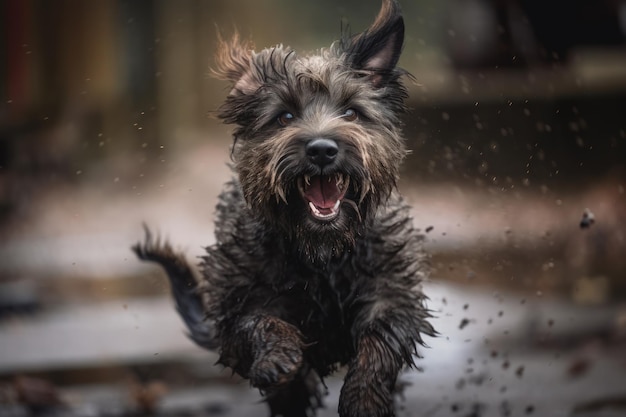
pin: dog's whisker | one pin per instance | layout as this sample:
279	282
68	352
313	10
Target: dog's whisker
354	207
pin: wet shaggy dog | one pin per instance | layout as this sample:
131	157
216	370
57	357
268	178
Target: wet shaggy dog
317	264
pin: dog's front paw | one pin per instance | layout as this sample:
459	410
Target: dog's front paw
363	397
276	366
280	356
368	389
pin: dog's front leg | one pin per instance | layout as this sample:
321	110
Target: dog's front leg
369	384
263	348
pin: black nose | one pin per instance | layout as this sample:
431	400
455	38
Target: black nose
322	151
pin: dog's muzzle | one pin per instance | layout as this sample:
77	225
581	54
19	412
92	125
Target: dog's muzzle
324	194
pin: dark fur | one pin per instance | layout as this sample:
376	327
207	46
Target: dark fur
284	297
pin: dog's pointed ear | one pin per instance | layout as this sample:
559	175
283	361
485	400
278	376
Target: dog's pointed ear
376	50
234	64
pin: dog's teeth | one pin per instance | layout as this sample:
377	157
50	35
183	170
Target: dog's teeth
339	180
343	184
281	195
307	180
317	213
314	209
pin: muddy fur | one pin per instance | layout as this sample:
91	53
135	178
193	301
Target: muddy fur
316	263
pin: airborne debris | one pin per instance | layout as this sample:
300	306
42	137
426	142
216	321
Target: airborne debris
587	220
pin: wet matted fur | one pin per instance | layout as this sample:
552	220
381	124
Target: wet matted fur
317	264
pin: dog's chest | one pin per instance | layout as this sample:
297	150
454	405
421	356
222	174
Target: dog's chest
320	304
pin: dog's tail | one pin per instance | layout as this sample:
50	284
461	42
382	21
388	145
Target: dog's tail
184	285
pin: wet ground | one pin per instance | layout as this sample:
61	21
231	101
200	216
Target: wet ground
87	330
498	355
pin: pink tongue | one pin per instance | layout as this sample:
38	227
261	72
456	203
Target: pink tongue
322	192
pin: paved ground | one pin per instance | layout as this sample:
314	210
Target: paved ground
498	355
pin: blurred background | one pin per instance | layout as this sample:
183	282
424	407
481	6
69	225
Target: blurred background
517	177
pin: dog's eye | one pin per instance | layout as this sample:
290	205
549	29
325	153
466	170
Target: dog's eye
350	115
285	118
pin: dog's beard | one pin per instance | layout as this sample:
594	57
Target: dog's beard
320	234
321	215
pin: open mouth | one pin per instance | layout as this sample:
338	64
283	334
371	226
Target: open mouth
324	194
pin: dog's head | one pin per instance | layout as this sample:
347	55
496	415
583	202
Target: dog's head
317	139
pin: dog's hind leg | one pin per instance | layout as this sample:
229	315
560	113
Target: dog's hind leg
184	285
